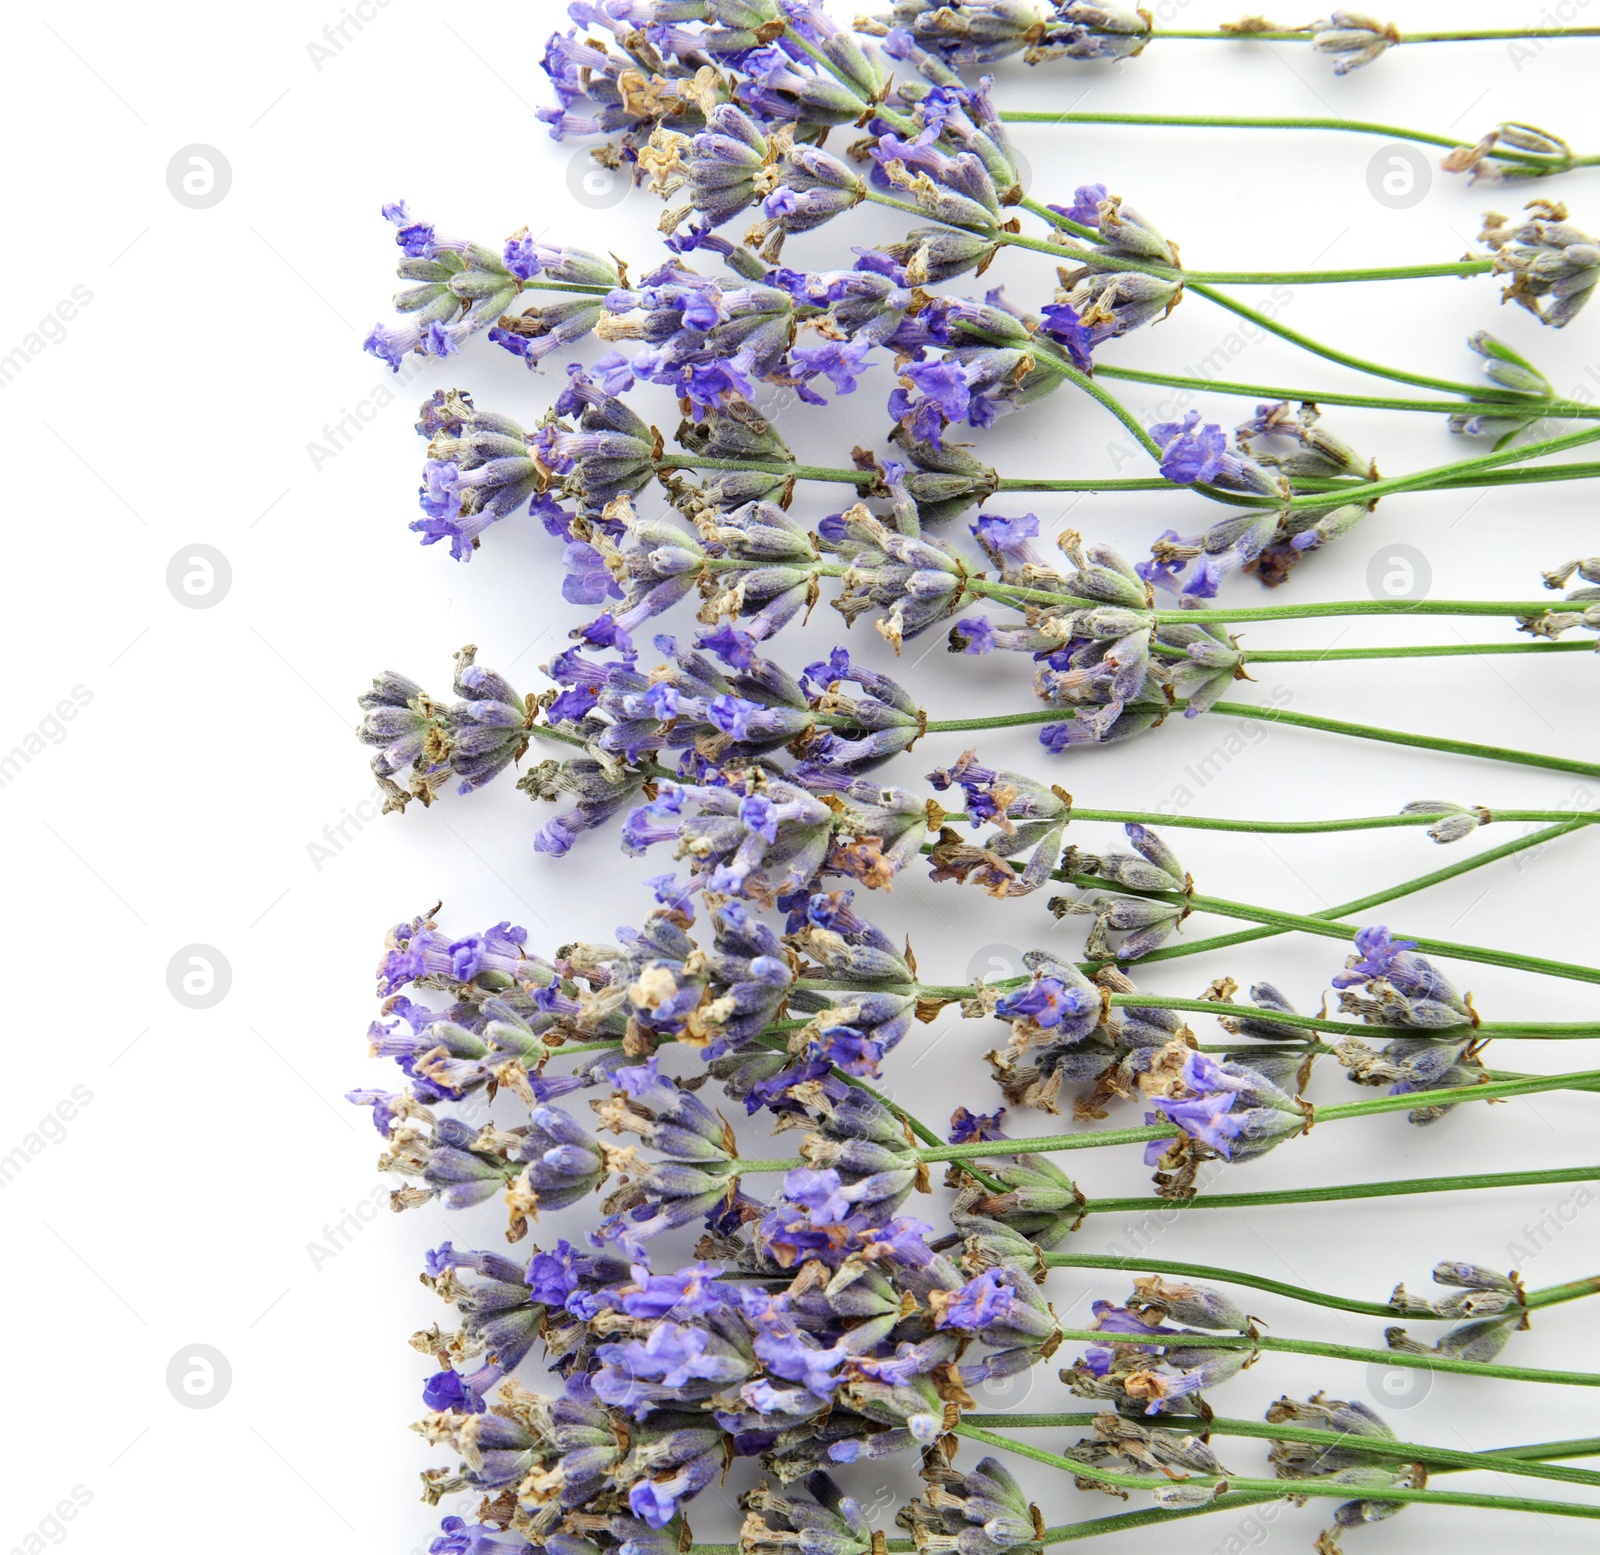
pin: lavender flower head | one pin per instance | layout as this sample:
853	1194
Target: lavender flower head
457	289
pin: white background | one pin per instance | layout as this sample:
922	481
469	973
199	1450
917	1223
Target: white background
185	1202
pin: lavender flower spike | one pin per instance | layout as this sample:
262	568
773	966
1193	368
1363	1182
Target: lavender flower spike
457	289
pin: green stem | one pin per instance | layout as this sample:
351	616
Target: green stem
1222	907
1377	898
1415	651
1201	1271
1484	394
1486	1031
1090	1528
953	993
1083	381
1245	122
1094	1139
1279	1489
1325	1195
1442	1096
837	475
1343	824
1263	320
1553	1295
567	286
1303	827
1318	1298
799	472
1122	1522
1299	721
1458	267
1309	610
1420	741
1573	470
1304	35
1330	353
1402	1452
1448	949
1356	1352
927	1135
1370	491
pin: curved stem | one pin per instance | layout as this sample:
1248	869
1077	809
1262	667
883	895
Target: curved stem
1342	824
1377	898
1356	1352
1567	1031
1444	1096
1281	1489
1505	1462
1317	348
1304	35
1261	320
1300	721
1121	1522
927	1135
1422	742
1484	394
1107	399
1455	473
1094	1139
1369	491
1248	122
1457	267
1201	1271
1318	1298
1222	907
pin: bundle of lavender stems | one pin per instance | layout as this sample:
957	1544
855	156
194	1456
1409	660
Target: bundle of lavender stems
775	1318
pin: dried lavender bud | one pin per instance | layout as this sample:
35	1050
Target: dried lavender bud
1553	264
1353	39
